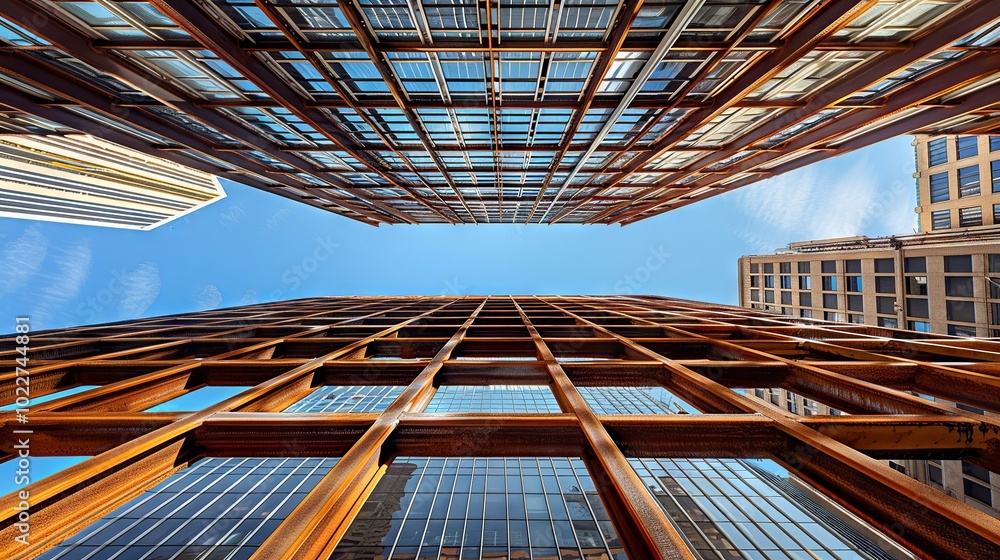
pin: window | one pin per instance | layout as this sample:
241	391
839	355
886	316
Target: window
805	300
754	268
885	284
830	301
958	286
755	281
994	263
934	474
852	266
964	311
885	266
917	307
768	268
855	303
828	267
897	467
759	393
768	296
970	217
785	268
769	281
793	406
939	187
968	181
994	143
832	316
915	264
937	151
967	146
806	313
941	219
803	267
958	263
962	330
830	283
977	491
996	214
856	319
919	326
973	410
775	397
805	282
888	322
786	298
754	295
885	305
916	285
853	283
995	175
786	282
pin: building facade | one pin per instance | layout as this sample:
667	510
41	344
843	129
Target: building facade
944	282
938	282
604	112
80	179
492	427
958	181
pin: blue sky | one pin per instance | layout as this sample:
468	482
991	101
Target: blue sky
255	247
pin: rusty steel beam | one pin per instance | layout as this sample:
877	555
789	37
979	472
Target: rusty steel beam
975	16
509	45
68	40
118	475
698	352
940	528
316	524
616	38
210	33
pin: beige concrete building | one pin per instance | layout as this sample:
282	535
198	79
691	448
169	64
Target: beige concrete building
940	282
945	282
958	181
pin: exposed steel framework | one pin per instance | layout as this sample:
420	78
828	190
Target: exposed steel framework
581	111
697	351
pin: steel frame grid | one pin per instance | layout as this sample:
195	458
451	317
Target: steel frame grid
699	352
414	112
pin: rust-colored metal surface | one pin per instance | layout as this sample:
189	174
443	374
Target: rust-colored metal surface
702	353
498	112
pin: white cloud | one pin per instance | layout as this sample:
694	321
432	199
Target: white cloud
72	266
806	204
140	288
209	297
21	259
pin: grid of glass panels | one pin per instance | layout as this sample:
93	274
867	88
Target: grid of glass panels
217	508
633	400
351	398
493	398
489	508
732	512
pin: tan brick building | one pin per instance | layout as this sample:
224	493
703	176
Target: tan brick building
945	282
958	181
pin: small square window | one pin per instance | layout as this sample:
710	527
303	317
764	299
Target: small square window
941	219
967	146
885	284
885	266
915	264
958	263
803	267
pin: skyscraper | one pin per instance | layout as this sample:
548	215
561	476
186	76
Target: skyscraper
80	179
493	427
466	112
